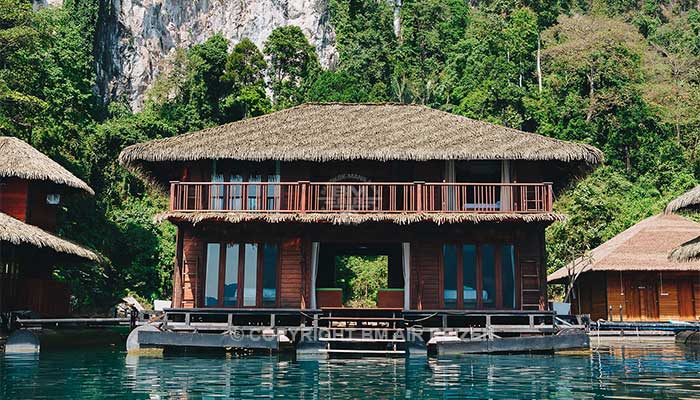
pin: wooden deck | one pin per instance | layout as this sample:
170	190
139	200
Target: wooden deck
361	197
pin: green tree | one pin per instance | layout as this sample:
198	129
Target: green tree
245	72
293	65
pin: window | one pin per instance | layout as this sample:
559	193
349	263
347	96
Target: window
231	278
245	277
508	275
469	286
211	288
488	275
485	272
269	278
449	262
250	277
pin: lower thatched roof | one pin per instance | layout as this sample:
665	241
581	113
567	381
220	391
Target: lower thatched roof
354	218
690	199
18	233
19	159
643	247
340	131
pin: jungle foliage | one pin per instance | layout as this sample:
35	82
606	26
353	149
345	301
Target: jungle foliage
623	75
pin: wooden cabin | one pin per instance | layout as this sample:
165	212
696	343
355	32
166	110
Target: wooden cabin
632	278
31	188
265	206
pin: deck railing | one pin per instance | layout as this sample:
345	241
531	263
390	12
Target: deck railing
361	197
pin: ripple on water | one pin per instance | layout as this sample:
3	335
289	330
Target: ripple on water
619	372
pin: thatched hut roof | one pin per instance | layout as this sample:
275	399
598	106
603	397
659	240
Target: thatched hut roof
643	247
21	160
354	218
688	200
687	252
18	233
339	131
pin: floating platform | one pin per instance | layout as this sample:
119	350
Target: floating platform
347	332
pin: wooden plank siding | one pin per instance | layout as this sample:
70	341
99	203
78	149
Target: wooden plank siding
13	198
643	295
426	286
290	274
193	258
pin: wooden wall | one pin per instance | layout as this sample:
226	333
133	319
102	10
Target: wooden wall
13	197
426	255
642	295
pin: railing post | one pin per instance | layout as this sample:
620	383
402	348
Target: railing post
420	186
548	188
172	195
303	188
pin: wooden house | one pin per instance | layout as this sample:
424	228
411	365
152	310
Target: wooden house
263	207
631	278
31	188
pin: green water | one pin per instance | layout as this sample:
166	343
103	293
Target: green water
629	371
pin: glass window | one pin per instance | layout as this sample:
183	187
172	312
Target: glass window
488	273
269	278
254	192
216	197
211	289
508	275
236	193
469	275
250	279
231	278
449	257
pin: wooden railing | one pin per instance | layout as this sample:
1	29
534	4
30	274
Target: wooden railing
361	197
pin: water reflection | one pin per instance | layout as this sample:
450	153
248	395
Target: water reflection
618	371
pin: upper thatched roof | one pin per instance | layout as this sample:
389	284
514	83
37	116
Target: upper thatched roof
338	131
18	233
24	161
643	247
690	199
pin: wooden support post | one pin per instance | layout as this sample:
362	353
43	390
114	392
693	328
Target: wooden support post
550	196
420	187
187	319
303	189
229	321
172	194
272	320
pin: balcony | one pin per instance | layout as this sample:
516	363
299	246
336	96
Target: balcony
361	197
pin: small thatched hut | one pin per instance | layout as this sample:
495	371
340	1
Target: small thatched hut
31	186
631	277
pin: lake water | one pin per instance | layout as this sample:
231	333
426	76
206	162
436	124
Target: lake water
617	371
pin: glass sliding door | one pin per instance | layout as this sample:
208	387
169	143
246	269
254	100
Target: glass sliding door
469	287
449	262
231	277
211	284
508	275
250	275
269	275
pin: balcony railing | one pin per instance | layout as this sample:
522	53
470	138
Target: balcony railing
361	197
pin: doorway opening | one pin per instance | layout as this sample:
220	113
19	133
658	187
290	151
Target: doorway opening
359	275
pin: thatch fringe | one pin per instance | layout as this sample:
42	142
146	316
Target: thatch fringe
687	252
337	131
235	217
19	159
690	199
17	233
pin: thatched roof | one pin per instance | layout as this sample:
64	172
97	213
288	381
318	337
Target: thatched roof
21	160
687	252
354	218
643	247
338	131
18	233
690	199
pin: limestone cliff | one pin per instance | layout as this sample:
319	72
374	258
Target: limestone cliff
134	37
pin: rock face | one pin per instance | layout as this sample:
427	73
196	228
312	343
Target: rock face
134	38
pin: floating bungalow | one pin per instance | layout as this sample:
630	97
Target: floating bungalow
265	206
31	189
631	277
